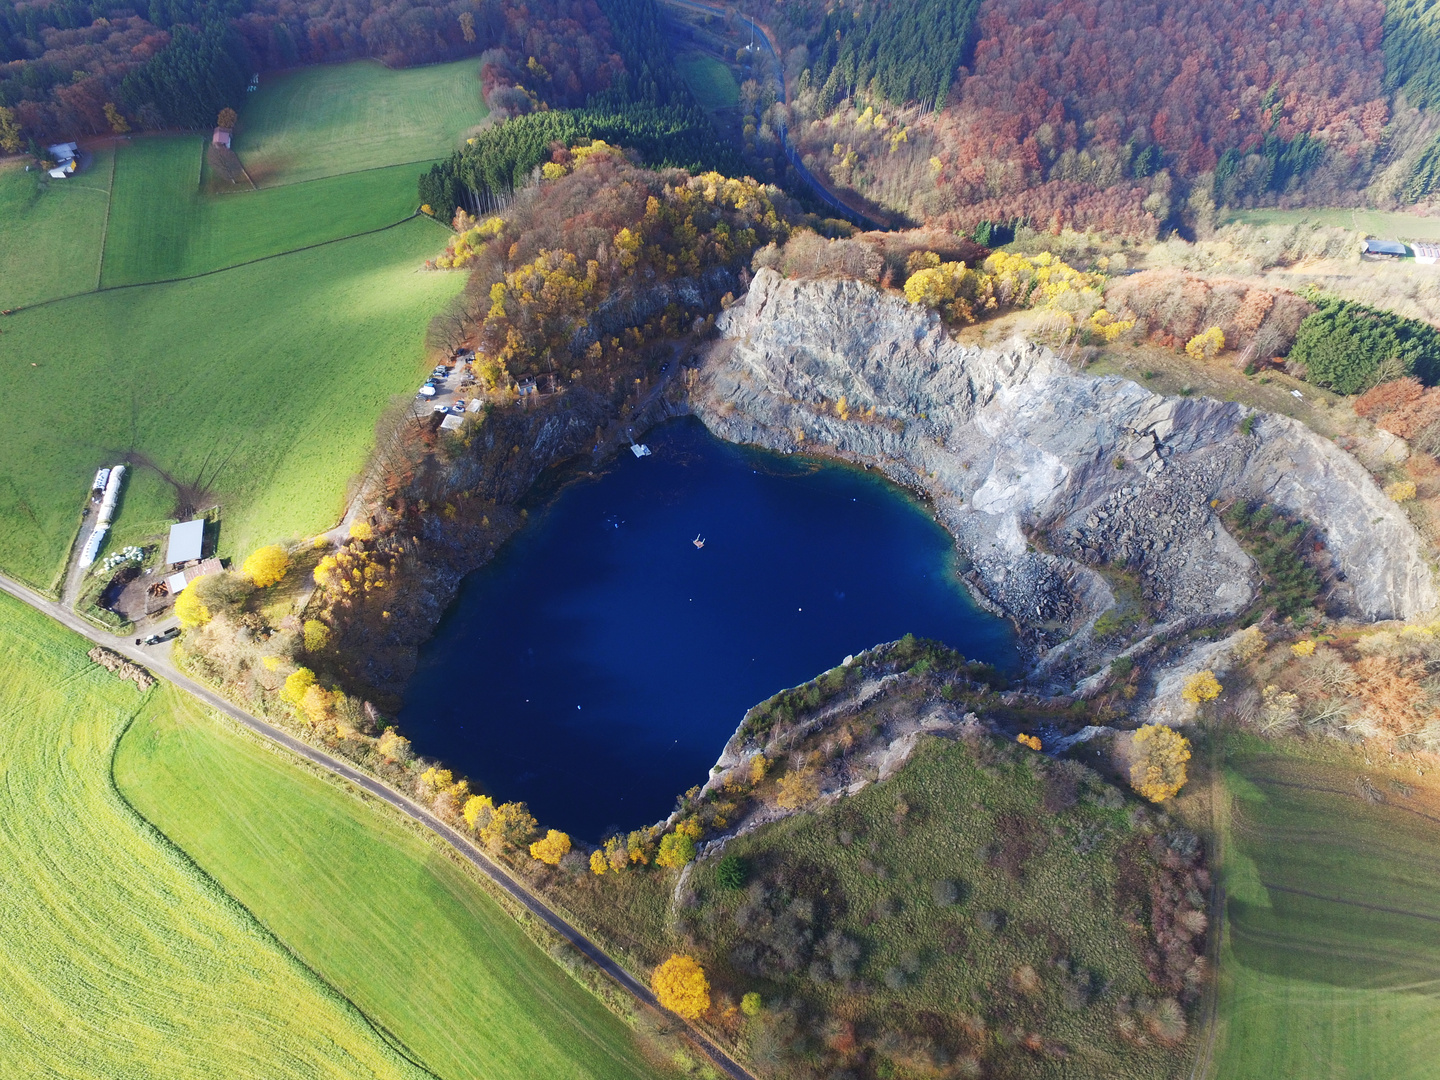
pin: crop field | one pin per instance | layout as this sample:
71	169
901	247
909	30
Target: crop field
50	232
118	956
1331	961
1370	222
162	227
709	80
378	910
339	118
260	385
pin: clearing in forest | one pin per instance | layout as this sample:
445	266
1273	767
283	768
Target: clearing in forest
257	388
162	227
120	957
709	80
1331	958
50	231
385	913
339	118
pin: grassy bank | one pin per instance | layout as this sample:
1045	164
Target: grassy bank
119	957
392	920
1330	962
260	385
339	118
50	231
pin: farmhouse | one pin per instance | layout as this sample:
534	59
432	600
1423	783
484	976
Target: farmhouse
1427	254
177	581
186	540
63	154
221	138
1385	249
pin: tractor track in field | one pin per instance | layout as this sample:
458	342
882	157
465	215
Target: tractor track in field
157	662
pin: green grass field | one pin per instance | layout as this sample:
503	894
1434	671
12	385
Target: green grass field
261	383
339	118
162	227
392	921
50	232
119	957
709	80
1370	222
1331	960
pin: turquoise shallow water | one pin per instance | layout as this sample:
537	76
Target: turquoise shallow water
596	667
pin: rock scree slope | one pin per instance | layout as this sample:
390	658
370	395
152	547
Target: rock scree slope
1042	473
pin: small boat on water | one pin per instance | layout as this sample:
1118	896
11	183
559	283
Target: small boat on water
699	541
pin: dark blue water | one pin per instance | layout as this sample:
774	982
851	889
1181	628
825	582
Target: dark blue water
596	667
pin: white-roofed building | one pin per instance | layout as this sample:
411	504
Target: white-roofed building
186	540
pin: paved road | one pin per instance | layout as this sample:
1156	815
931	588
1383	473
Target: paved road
155	659
791	154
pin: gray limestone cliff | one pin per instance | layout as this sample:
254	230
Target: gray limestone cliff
1041	473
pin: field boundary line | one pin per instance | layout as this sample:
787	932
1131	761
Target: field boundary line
105	227
383	1033
220	269
491	869
333	176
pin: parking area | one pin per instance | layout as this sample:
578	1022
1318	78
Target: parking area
451	388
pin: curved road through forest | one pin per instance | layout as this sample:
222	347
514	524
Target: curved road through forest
160	665
791	154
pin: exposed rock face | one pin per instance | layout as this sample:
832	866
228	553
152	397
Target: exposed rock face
1039	472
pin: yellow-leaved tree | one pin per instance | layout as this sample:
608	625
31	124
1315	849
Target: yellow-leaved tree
1157	770
798	787
317	636
267	565
478	811
296	684
676	849
682	987
1206	344
393	746
598	862
511	824
190	609
1201	687
554	847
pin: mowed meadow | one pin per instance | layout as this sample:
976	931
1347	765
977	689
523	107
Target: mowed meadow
333	119
119	957
385	913
162	226
51	232
240	346
1331	957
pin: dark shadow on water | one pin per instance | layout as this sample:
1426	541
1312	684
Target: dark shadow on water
597	665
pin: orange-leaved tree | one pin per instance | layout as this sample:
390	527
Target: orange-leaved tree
267	565
1158	769
554	847
681	986
226	119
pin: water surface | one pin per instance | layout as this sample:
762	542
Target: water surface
596	666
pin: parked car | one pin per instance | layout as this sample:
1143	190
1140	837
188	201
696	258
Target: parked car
164	635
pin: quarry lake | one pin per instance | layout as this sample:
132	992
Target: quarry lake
596	666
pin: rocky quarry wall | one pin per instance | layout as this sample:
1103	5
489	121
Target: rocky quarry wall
1043	474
